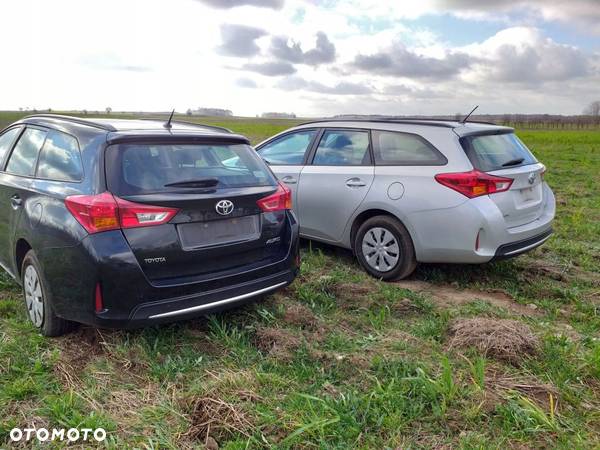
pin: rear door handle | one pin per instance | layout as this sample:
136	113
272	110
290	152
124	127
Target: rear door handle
16	201
289	179
355	182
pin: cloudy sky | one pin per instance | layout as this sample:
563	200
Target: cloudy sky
310	57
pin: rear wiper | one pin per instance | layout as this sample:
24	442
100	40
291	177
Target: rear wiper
199	183
513	162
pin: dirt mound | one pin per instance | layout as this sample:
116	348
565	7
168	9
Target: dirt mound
301	316
506	340
277	342
445	295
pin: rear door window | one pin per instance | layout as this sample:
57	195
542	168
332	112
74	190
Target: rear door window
289	149
6	141
496	151
60	158
404	149
343	148
153	168
24	156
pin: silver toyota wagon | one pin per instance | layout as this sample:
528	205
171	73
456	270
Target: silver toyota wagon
400	192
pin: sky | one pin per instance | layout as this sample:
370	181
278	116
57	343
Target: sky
308	57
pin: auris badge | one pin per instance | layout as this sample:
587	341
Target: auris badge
224	207
531	178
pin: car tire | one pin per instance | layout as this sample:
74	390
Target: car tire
38	301
384	248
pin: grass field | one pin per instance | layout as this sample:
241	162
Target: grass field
339	360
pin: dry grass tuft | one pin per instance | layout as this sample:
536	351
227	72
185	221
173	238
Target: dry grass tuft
500	385
352	296
76	351
301	316
503	339
277	342
213	417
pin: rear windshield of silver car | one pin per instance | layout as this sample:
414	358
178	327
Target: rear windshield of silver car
134	169
492	152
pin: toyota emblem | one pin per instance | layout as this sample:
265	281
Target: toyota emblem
224	207
531	178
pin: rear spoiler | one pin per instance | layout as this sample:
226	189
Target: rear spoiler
174	137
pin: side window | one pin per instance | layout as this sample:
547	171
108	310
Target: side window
403	149
343	148
6	141
60	158
24	156
289	149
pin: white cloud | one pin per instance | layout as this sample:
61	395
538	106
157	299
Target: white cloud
585	13
523	55
155	55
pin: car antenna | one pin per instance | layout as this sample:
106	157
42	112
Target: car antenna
168	125
469	115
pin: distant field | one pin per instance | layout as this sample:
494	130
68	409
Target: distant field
253	128
339	360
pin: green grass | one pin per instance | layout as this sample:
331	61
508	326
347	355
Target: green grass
364	364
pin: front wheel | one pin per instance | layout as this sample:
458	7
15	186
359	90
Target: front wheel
37	301
384	248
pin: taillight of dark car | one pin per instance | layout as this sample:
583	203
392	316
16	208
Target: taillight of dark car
474	183
280	200
105	212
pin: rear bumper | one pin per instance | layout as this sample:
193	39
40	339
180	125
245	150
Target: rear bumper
518	248
199	304
131	300
450	235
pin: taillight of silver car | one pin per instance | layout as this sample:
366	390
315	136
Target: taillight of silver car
474	183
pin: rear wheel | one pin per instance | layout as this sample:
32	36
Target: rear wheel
384	248
37	301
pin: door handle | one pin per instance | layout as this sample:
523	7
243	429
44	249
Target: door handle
289	180
355	182
16	201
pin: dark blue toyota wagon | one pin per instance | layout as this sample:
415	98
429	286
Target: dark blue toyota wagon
123	223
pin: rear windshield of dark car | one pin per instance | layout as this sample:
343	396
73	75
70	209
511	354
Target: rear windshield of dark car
134	169
496	151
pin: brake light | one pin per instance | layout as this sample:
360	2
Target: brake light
95	212
105	212
474	183
280	200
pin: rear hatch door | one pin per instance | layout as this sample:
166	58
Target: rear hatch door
213	190
503	154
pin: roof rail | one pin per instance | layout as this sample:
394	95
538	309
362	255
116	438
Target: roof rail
427	122
432	119
80	121
193	124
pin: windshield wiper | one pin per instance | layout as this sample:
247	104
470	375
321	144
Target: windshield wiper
199	183
513	162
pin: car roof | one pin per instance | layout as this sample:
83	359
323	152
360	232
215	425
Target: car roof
132	129
116	125
460	128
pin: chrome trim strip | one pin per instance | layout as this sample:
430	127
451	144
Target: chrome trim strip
524	249
217	303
